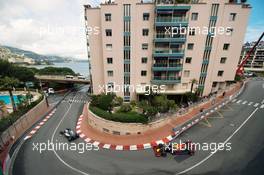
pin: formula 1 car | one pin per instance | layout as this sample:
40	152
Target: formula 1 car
162	150
69	134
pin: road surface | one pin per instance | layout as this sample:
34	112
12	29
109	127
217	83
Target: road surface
240	123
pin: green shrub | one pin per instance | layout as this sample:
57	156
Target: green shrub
151	111
133	103
191	96
125	108
118	101
129	117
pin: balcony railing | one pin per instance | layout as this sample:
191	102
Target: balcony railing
164	35
169	38
167	65
171	19
166	80
168	51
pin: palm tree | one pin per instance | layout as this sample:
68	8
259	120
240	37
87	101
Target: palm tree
9	83
193	81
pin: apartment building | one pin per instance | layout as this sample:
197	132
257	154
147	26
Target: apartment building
165	42
256	60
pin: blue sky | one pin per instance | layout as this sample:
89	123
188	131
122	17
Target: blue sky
57	26
256	20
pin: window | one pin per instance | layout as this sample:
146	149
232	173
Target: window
190	46
229	31
192	31
194	17
186	73
144	60
145	32
232	17
188	60
144	46
109	60
108	17
108	32
110	73
145	16
108	46
143	73
220	73
214	84
226	46
223	60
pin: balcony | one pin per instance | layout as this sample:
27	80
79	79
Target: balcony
167	67
168	53
171	21
168	38
205	61
165	80
166	6
203	74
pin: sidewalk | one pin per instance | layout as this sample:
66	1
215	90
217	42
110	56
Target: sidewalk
142	141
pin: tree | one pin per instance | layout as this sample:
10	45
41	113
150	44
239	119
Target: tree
8	84
3	108
193	81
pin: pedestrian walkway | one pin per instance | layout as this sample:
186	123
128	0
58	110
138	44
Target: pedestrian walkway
249	103
145	140
74	101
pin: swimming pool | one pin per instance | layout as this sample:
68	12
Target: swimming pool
7	99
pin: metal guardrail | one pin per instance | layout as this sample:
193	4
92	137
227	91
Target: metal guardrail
194	120
18	143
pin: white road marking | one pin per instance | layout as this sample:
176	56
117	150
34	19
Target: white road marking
169	138
147	145
234	100
238	101
133	147
211	154
107	146
244	102
159	142
56	154
262	106
119	147
250	103
256	105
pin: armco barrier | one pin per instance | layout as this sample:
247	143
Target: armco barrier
180	129
11	154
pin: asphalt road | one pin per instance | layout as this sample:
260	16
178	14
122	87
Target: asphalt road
240	124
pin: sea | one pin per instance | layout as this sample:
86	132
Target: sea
78	67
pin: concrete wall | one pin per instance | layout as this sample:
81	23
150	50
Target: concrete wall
24	123
119	128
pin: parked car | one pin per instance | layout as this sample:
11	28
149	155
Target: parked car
69	77
51	91
81	77
70	134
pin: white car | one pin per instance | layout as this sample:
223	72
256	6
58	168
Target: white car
81	77
51	91
69	77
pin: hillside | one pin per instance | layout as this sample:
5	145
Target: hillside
35	56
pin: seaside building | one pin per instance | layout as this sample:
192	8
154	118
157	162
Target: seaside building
165	42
